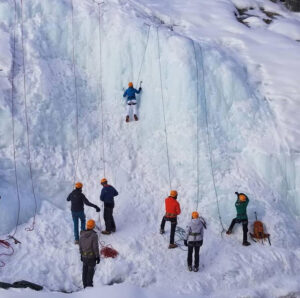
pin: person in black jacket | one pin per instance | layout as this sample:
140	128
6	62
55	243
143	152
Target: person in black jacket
107	196
78	200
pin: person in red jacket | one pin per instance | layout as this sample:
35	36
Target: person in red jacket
172	210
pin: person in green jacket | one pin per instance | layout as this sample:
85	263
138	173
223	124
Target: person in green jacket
241	217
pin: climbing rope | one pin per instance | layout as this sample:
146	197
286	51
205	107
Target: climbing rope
197	123
180	235
163	106
6	245
209	141
26	118
100	86
143	59
76	95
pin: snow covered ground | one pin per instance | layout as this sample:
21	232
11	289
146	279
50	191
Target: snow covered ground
247	89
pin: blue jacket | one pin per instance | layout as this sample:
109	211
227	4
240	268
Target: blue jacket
108	193
130	93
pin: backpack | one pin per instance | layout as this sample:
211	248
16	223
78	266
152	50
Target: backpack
258	231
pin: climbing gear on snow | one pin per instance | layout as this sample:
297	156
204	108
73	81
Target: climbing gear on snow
173	193
90	224
6	245
127	118
15	240
130	85
195	214
135	117
78	185
103	180
258	231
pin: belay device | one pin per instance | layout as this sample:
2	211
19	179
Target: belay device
258	231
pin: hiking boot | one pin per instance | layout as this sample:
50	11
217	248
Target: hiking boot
190	268
135	117
127	118
246	243
76	242
173	245
196	269
106	232
229	232
161	231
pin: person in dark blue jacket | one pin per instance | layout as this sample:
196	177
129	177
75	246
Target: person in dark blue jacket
107	195
131	101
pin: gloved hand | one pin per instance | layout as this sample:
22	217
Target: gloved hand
98	260
97	209
140	88
185	243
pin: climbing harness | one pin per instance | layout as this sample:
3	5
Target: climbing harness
26	118
197	123
144	55
76	94
163	107
209	142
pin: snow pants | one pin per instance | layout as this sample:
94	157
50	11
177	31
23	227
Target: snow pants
88	271
131	105
173	221
194	247
110	225
245	226
76	216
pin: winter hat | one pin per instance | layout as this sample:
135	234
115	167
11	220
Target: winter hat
90	224
195	214
78	185
103	180
242	197
130	84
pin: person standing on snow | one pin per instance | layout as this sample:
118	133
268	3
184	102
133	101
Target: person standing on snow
107	195
78	200
194	240
172	210
89	251
241	217
131	101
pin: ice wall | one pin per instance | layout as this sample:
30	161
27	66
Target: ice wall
246	151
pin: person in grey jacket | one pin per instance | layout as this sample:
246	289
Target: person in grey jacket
194	239
89	251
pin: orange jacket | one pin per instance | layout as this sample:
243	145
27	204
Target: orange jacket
172	207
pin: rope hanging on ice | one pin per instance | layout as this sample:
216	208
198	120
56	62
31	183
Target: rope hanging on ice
209	141
100	86
163	107
197	123
26	118
76	94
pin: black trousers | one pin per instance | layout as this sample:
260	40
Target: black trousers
196	250
173	221
245	226
88	270
110	225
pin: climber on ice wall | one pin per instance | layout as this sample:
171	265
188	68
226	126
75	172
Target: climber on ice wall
172	210
78	200
241	217
131	101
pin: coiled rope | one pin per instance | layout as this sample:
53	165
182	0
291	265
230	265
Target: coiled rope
163	107
76	95
209	140
26	118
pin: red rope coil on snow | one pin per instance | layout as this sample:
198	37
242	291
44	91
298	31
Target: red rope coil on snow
6	245
107	251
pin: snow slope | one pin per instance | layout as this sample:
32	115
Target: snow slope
248	93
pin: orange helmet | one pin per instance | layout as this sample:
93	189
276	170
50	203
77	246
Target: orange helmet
130	84
173	193
103	180
78	185
242	197
90	224
195	214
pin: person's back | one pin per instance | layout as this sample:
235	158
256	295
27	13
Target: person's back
172	207
108	193
195	230
76	197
